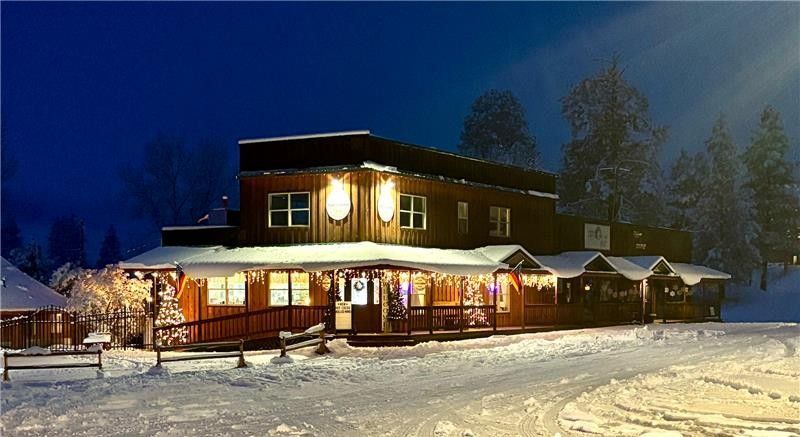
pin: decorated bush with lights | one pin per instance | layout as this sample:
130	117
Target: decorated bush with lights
169	313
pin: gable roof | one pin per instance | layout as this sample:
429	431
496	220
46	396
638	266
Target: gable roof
505	253
630	269
692	274
650	262
571	264
164	257
20	292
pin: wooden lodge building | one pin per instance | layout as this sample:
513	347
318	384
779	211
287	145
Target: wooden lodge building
382	239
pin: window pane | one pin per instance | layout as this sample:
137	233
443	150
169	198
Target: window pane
504	229
279	201
279	218
405	219
299	218
299	200
278	280
506	214
463	209
216	296
462	226
300	297
278	297
419	221
494	214
419	204
236	296
300	286
405	203
216	283
237	282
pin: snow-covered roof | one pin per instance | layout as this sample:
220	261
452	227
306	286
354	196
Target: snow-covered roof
569	264
649	261
20	292
501	252
196	227
164	257
305	136
692	274
629	269
331	256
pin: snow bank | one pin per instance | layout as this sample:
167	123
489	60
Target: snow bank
780	303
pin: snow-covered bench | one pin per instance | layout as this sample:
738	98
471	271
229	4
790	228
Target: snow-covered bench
317	331
35	352
206	356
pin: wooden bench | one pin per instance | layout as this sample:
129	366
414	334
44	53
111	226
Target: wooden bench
316	330
7	366
207	356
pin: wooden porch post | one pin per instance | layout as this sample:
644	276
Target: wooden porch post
555	301
524	308
199	313
289	281
409	292
494	303
461	306
429	301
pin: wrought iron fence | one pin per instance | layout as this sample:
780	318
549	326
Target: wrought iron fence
57	329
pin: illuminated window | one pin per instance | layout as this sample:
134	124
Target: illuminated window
289	210
463	217
227	291
412	211
503	298
499	221
279	289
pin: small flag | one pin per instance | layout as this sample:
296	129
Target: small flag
516	276
181	280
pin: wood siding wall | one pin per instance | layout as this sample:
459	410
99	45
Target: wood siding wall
532	218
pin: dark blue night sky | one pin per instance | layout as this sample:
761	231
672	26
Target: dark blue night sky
85	86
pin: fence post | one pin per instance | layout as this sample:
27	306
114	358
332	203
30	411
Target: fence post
158	353
5	365
100	359
283	347
322	349
241	363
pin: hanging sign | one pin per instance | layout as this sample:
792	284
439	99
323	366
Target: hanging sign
386	202
326	283
344	315
338	204
420	283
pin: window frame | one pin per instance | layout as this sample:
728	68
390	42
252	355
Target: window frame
412	212
289	286
494	225
288	209
459	218
228	289
505	290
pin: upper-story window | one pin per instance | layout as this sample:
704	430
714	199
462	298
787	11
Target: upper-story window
227	291
412	211
499	221
463	217
289	209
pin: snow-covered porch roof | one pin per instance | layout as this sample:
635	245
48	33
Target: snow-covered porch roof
692	274
218	261
20	292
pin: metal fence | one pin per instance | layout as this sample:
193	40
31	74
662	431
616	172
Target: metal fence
57	329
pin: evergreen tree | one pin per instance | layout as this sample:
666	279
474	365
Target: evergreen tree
169	313
473	296
610	168
67	241
774	188
496	130
11	238
110	252
685	189
724	231
397	308
30	260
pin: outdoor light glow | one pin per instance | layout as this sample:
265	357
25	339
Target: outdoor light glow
386	201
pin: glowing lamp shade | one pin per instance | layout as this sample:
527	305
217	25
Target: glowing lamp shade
338	204
386	202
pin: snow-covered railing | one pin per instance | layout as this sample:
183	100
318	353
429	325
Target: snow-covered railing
208	356
46	353
320	341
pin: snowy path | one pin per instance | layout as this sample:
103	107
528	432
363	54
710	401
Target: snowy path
693	379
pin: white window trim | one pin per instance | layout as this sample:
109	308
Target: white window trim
495	224
459	218
412	212
227	295
288	209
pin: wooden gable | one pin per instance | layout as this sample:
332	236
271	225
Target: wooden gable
599	264
520	256
662	268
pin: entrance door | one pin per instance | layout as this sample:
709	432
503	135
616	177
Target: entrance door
366	300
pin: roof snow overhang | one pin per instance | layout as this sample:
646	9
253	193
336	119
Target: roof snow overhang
165	257
692	274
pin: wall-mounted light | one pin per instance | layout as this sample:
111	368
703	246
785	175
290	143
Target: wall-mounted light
386	201
338	203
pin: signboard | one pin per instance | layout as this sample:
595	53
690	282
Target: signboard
338	204
344	315
597	237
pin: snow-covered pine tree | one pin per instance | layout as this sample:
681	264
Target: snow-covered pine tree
610	167
30	260
110	251
724	232
169	313
63	279
770	178
685	189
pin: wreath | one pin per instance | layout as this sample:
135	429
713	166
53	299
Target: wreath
359	284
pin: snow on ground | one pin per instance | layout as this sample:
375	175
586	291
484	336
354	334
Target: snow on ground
693	379
780	303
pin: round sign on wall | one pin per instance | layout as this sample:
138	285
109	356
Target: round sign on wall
420	283
386	202
338	204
